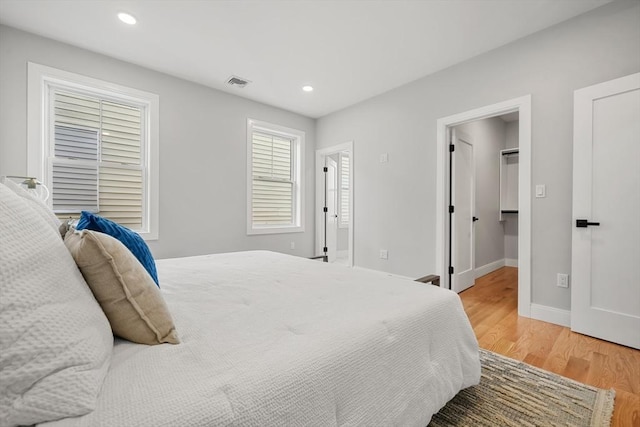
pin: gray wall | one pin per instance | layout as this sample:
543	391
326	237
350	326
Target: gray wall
511	221
202	137
488	137
395	201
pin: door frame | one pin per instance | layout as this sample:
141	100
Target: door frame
523	106
321	154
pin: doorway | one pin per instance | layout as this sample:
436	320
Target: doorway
334	204
484	183
444	241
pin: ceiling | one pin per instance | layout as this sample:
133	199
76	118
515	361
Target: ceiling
348	50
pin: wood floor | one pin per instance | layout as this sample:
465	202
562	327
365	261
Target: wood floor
492	308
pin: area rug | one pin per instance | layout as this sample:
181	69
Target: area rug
512	393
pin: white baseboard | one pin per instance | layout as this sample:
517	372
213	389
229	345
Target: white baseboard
510	262
488	268
551	314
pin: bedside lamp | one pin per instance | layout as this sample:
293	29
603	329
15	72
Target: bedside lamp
32	185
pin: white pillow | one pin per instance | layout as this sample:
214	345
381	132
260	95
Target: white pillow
55	341
39	206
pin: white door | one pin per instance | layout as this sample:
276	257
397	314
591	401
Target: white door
463	200
605	266
332	208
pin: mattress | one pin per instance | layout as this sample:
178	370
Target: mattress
272	339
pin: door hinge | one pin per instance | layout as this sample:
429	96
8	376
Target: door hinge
452	148
325	169
325	249
451	209
450	269
325	209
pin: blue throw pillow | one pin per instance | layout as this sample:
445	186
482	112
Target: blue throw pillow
129	238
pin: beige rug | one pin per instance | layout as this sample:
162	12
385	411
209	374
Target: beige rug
512	393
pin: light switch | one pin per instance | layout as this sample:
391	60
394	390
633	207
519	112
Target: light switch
541	190
384	157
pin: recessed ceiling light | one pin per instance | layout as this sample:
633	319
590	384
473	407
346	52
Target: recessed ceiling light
307	88
126	18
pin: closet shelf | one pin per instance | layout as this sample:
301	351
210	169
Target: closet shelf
508	182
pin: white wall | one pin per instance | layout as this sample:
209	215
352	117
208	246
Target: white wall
511	220
202	137
395	201
488	138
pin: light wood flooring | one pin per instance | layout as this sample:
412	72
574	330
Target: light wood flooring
492	309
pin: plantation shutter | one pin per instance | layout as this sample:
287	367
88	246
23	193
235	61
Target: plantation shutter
344	190
97	158
272	184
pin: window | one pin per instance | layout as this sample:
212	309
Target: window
274	181
343	200
95	146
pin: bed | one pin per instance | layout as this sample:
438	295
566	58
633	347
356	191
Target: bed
273	339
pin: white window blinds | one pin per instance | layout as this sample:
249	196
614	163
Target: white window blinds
273	186
344	190
97	158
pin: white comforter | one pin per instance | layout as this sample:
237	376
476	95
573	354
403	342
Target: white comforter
275	340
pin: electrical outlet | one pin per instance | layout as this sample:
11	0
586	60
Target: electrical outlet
384	254
562	280
384	157
293	245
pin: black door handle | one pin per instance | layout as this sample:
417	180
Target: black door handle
584	223
475	218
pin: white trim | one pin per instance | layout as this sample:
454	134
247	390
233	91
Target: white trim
40	78
510	262
320	156
488	268
523	105
551	314
298	172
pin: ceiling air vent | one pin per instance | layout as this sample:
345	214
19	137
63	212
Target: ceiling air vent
238	81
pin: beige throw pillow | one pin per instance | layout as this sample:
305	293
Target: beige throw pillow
126	292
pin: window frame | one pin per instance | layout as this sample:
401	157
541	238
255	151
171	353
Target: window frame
41	81
298	149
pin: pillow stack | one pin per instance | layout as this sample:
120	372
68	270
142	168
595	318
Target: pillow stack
109	257
55	339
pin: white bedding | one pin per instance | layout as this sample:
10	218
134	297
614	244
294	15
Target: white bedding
274	340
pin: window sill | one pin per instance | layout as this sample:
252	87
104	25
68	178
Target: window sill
274	230
149	237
